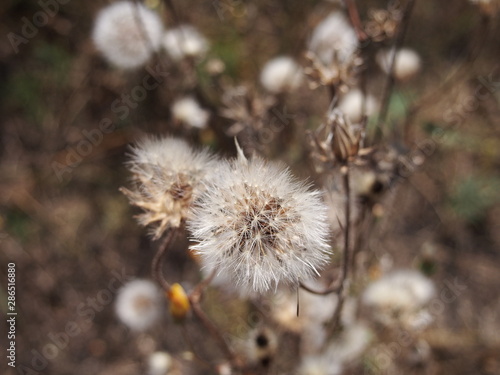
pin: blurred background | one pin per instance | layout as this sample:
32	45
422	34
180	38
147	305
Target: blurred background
71	233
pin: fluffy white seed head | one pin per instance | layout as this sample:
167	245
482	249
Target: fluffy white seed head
334	36
281	74
168	176
401	294
184	41
138	304
188	111
259	227
127	33
159	363
406	65
351	105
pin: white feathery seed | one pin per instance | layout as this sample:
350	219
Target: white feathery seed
188	111
127	33
259	227
281	74
351	105
184	41
406	65
334	36
138	304
168	176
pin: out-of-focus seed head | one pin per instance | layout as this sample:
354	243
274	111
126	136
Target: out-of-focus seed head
127	33
168	176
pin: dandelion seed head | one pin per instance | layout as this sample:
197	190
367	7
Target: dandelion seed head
188	111
281	74
406	65
184	41
127	33
159	363
334	36
168	176
351	105
138	304
402	295
256	226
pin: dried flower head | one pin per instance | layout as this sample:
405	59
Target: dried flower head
138	304
127	33
334	37
281	74
184	41
168	175
336	73
258	227
188	111
406	64
382	24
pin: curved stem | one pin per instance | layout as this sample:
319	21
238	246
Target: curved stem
156	266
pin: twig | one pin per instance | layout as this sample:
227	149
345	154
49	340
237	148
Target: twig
156	266
352	10
346	263
403	27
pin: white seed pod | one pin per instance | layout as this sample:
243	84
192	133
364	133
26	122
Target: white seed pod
351	105
334	36
258	227
406	65
281	74
184	41
188	111
168	176
139	304
127	33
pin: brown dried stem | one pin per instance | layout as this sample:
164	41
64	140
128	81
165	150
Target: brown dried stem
156	266
403	27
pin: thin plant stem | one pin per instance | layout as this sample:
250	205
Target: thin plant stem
386	94
156	266
345	262
353	12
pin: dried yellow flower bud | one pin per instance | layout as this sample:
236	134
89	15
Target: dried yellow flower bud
179	302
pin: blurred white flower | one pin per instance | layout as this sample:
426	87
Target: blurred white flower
159	363
188	111
138	304
406	65
184	41
351	105
168	175
399	295
334	36
127	33
351	344
281	74
258	227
